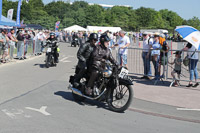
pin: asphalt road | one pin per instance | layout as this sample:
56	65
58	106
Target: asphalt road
35	99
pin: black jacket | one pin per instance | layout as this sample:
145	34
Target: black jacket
53	41
84	52
99	55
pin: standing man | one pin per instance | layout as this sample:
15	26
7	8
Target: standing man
20	45
13	40
146	56
39	38
155	55
2	40
123	44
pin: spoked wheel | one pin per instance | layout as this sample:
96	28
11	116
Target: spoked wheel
120	98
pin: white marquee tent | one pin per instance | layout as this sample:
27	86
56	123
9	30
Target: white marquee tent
102	29
75	28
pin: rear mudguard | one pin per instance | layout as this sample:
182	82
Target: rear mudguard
125	81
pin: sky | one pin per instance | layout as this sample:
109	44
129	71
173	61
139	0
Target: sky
185	8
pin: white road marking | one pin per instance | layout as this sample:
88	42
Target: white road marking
185	109
65	59
41	110
9	114
14	112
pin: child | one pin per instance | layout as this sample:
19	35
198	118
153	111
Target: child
177	69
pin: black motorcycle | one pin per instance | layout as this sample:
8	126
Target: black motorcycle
113	85
50	60
74	42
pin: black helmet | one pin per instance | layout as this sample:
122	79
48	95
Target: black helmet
104	38
93	36
52	34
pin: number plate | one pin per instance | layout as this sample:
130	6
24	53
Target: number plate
123	73
49	50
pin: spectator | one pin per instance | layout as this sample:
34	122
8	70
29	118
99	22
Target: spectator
80	37
39	43
13	40
20	45
64	36
27	42
164	51
111	43
155	54
123	44
146	55
2	40
193	60
177	69
5	48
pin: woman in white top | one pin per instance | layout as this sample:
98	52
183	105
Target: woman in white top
193	56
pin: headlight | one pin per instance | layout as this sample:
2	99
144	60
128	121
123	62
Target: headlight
107	73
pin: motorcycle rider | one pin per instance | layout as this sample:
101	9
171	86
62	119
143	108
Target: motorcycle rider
83	56
100	54
53	40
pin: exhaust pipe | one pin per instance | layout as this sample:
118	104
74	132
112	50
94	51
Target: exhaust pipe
78	92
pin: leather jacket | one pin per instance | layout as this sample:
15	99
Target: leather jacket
52	41
84	52
101	54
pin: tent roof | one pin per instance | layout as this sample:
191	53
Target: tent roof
34	26
6	21
75	28
102	28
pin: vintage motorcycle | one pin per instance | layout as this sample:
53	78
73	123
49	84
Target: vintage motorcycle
113	85
75	42
50	61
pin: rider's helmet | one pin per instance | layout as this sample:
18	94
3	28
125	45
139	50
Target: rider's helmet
93	36
52	34
104	38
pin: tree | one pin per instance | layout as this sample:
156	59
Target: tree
149	18
171	18
120	16
194	22
83	14
95	15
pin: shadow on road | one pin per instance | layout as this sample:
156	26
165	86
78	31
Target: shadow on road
68	96
40	65
160	83
150	82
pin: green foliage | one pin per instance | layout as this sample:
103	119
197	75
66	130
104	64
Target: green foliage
194	22
80	13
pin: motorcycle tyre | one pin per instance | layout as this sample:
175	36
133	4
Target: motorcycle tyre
125	107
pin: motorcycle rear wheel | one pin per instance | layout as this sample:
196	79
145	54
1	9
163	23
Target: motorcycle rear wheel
115	98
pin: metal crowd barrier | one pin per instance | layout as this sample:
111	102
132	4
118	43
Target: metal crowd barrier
136	67
28	49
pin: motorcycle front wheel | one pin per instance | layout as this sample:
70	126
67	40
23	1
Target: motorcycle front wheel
120	98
